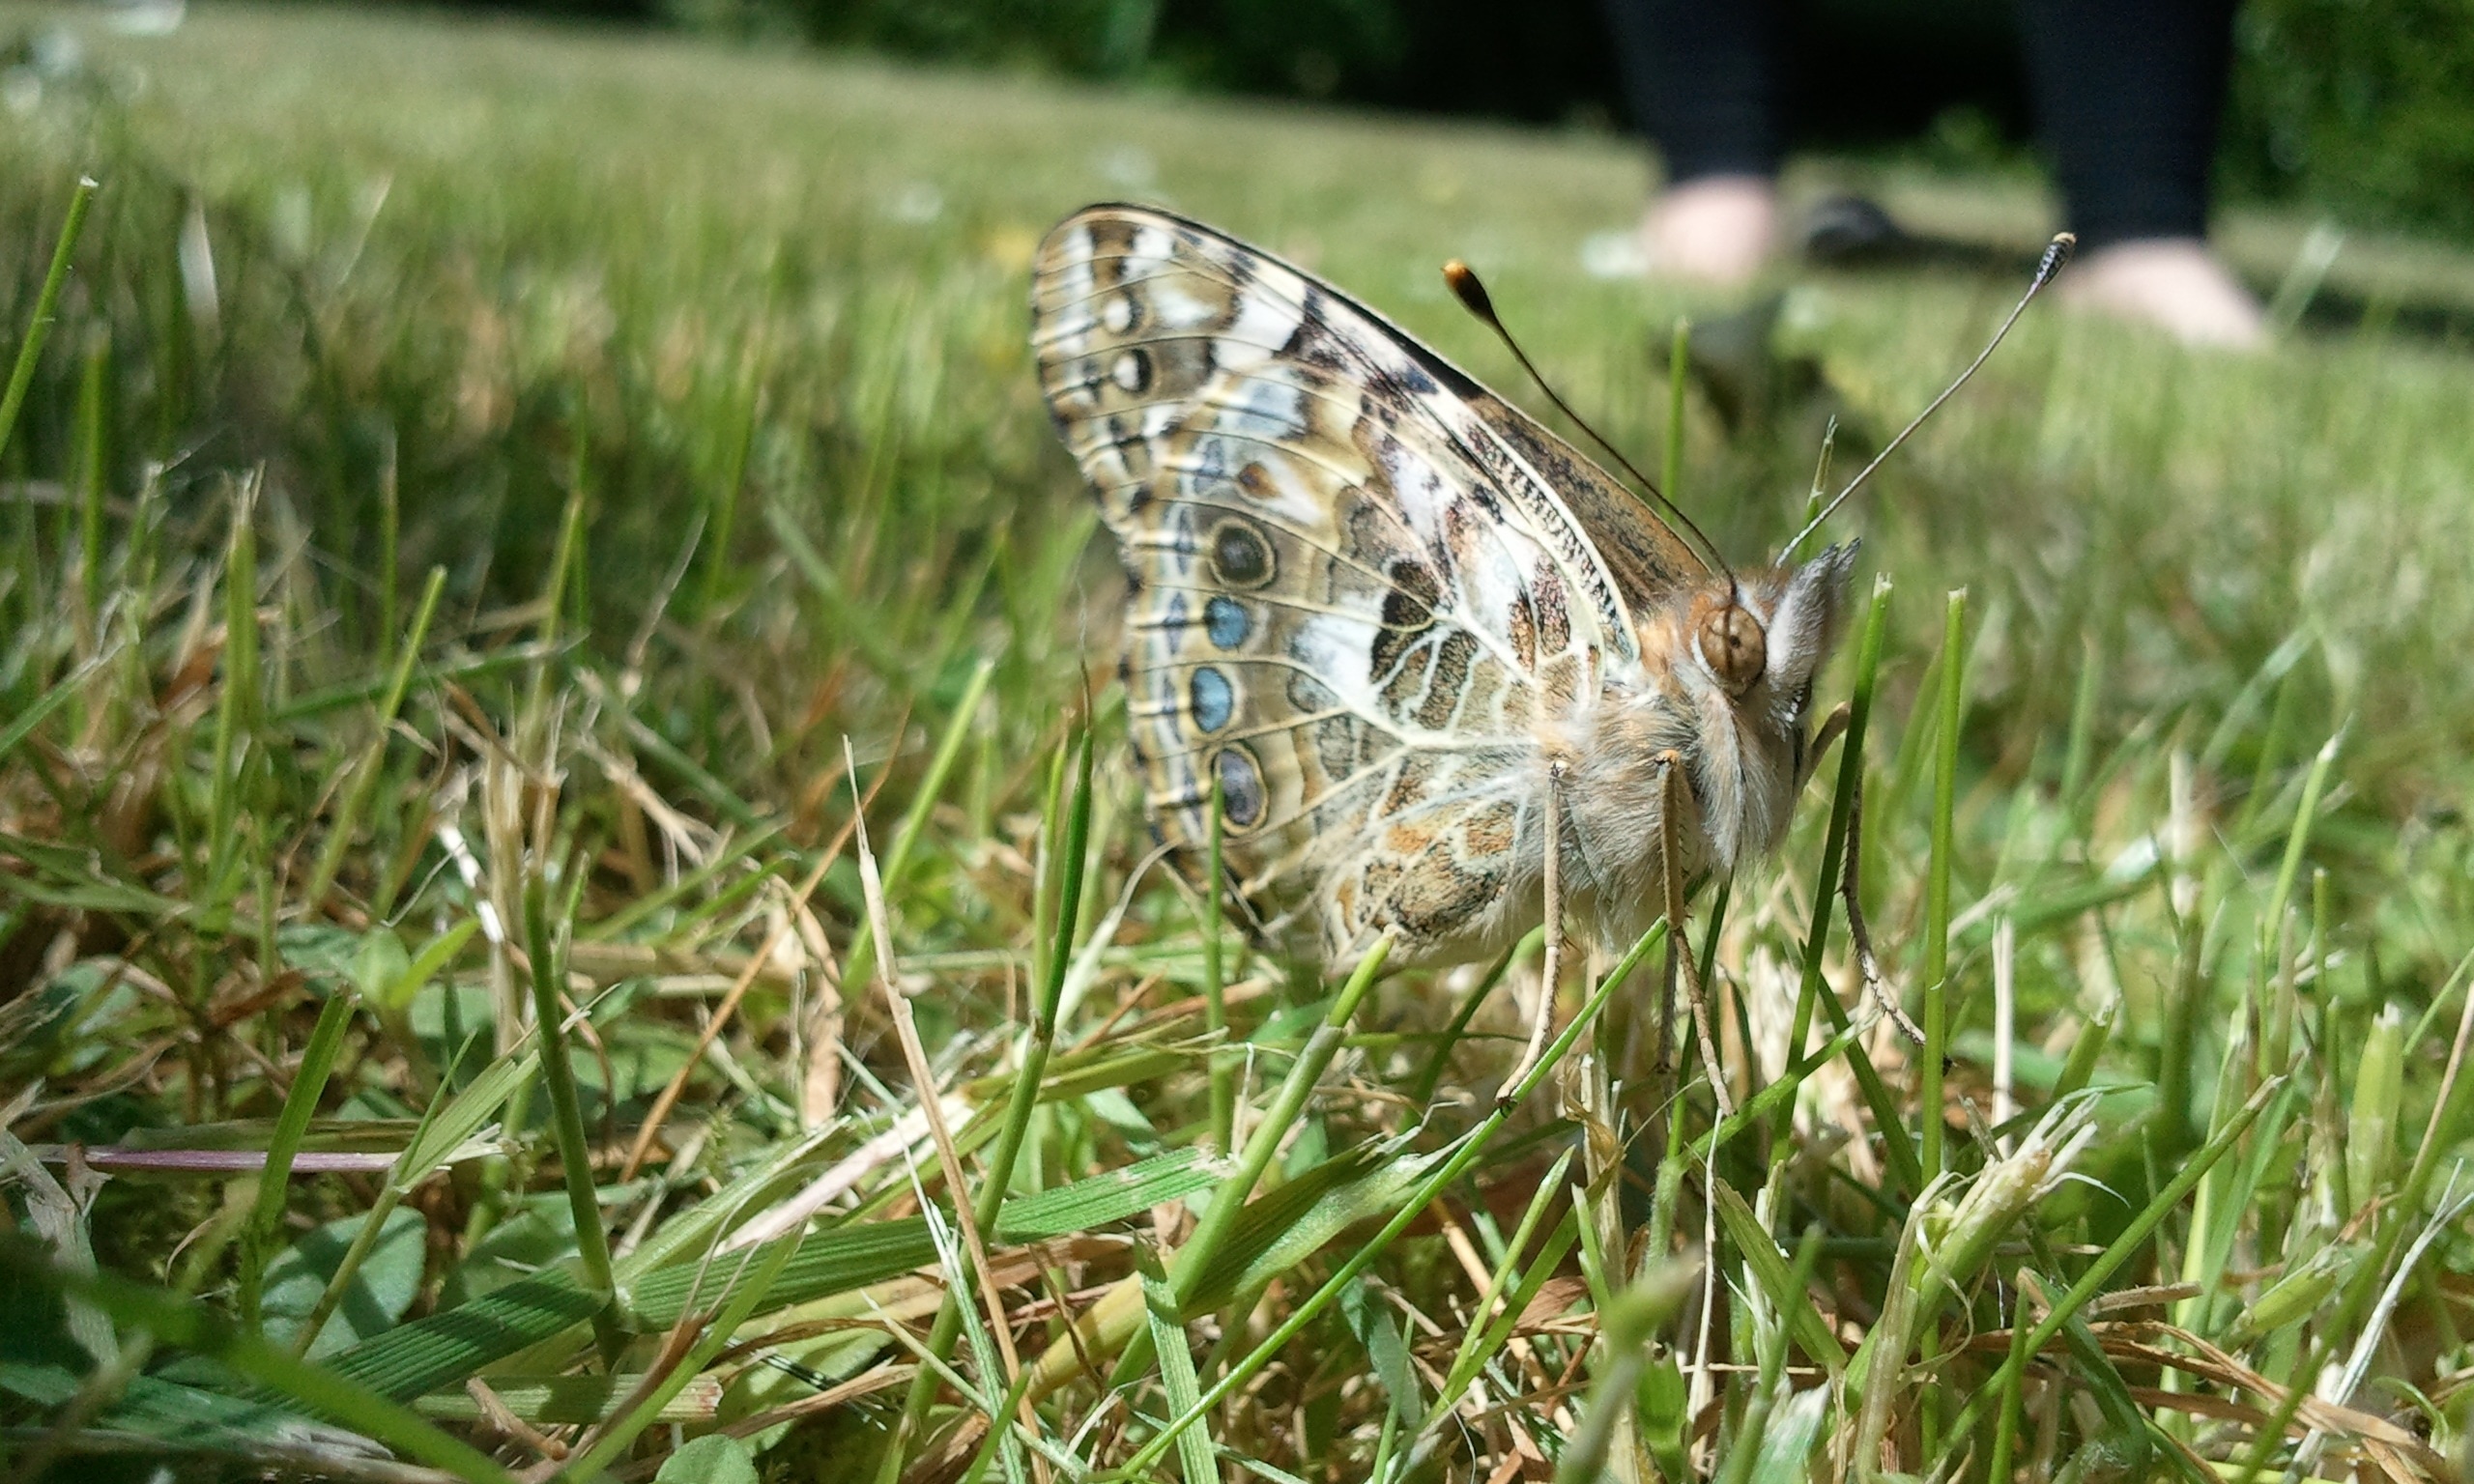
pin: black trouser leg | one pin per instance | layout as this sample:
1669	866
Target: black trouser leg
1703	79
2128	96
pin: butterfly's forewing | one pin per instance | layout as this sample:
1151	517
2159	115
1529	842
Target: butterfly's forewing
1355	594
1647	560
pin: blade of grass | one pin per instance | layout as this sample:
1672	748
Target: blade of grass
1679	359
1071	862
1278	1120
1471	1146
1788	1293
52	699
1498	1334
236	705
663	1278
470	667
1629	1325
446	1125
566	1117
1848	1042
958	1261
1223	1057
860	962
1896	1150
192	1325
1176	1364
1850	767
1220	1217
365	782
1466	1360
1770	1268
1421	1091
1937	894
22	375
300	1105
93	465
390	519
973	1262
2119	1251
754	1280
2014	1371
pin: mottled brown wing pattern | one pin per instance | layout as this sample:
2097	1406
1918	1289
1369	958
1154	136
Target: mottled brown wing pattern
1647	560
1354	597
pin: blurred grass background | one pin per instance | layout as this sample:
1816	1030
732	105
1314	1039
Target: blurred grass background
697	371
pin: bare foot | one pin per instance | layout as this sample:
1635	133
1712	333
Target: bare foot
1717	230
2171	283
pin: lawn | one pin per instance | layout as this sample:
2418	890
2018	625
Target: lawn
491	494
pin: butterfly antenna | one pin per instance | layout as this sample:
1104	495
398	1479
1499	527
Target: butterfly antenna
1465	287
2056	253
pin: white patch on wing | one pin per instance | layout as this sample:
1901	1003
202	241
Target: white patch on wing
1175	308
1418	488
1491	577
1265	408
1071	325
1492	563
1150	252
1338	651
1265	321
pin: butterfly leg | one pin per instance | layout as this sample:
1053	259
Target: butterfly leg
1552	967
1858	934
1832	727
1670	808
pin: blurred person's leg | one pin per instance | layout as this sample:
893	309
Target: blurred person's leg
1703	82
2129	93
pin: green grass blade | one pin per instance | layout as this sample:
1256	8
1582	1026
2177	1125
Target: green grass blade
748	1287
1851	772
862	960
59	694
1449	1169
300	1105
1466	1360
1224	1059
191	1325
1770	1269
1422	1091
567	1111
22	374
1937	898
1176	1364
1025	1094
1678	362
2120	1249
365	781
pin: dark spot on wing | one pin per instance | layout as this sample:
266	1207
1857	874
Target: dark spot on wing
1241	785
1240	555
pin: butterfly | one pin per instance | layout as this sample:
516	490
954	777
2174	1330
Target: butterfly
1412	636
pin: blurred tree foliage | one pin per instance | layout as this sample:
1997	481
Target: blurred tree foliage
1541	61
2362	108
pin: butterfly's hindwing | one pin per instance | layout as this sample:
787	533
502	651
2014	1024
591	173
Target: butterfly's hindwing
1354	597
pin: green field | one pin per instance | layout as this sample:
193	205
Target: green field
479	478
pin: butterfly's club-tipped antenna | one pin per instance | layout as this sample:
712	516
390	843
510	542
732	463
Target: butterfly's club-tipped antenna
1473	296
2056	253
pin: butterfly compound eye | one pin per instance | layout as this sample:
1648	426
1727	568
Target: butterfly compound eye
1733	645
